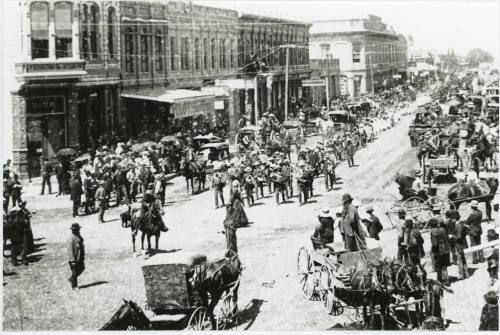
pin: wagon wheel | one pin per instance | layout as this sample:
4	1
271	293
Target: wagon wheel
330	302
443	203
417	209
226	315
199	320
305	271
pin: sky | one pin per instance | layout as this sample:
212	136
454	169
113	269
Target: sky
434	25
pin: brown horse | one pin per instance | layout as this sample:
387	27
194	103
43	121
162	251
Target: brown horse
149	224
216	278
483	191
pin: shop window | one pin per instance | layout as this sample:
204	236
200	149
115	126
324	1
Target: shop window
356	52
39	12
197	53
173	51
129	50
63	21
212	47
205	54
184	53
144	51
111	33
158	44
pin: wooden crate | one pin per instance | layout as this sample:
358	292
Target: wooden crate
166	282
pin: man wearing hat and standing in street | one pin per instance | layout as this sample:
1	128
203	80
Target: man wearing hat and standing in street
323	233
100	196
350	152
76	254
373	225
354	237
475	230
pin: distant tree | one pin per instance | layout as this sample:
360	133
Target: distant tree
477	56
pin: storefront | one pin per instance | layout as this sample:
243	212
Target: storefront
153	114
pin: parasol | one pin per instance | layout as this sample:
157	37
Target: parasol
83	158
148	144
137	147
66	152
168	138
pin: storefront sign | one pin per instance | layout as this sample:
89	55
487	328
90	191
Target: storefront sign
183	109
219	104
45	105
313	82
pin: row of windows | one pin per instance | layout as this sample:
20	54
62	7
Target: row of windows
63	37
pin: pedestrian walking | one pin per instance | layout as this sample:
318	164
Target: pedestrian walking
440	251
279	184
218	187
100	196
249	186
353	233
350	150
373	225
414	243
76	192
461	233
76	255
475	231
402	252
489	313
46	174
16	190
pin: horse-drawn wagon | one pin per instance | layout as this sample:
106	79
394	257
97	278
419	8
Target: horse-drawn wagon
178	296
401	295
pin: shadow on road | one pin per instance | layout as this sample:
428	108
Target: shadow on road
249	314
97	283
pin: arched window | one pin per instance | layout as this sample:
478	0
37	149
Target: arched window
158	44
144	51
90	31
222	54
205	54
231	50
129	50
197	53
39	30
112	33
63	28
212	50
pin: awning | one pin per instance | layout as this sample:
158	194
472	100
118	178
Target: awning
185	102
163	95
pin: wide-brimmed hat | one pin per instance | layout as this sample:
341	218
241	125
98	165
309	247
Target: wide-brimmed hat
491	298
158	176
75	226
248	169
346	197
474	204
324	212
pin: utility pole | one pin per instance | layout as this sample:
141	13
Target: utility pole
286	80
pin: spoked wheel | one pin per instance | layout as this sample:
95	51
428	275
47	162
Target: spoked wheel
306	273
199	320
417	209
330	302
443	203
227	314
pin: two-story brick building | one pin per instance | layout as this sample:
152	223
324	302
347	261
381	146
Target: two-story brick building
369	51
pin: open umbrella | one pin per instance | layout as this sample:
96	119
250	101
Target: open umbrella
168	139
138	147
83	158
66	152
148	144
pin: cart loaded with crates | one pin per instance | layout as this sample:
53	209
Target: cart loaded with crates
171	299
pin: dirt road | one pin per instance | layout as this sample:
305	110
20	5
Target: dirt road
39	297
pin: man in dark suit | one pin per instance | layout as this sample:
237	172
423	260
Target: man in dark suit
440	251
474	224
461	233
76	192
354	237
46	174
76	255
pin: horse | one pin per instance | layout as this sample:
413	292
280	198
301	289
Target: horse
483	190
128	317
215	278
199	172
187	172
149	225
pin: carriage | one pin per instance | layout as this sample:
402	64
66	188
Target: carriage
329	275
215	154
171	299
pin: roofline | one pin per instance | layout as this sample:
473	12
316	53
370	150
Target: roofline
358	32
